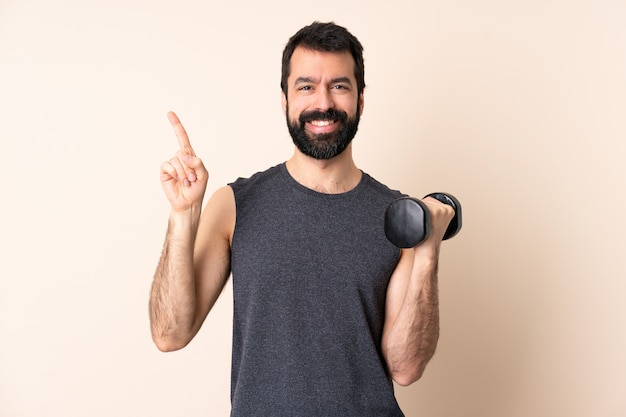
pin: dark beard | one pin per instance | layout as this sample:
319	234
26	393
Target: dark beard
327	145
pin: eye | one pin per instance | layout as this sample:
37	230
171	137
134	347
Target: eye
305	88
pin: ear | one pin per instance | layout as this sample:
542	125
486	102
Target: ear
284	103
361	103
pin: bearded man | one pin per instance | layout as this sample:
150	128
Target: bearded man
327	312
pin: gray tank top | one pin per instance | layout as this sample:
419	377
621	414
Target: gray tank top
310	274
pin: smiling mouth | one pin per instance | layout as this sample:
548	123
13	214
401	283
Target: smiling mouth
322	123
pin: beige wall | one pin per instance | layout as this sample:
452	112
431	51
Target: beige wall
516	107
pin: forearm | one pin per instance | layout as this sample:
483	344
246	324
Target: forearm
173	294
411	333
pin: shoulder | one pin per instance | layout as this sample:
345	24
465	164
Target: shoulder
257	178
378	188
218	216
223	197
260	186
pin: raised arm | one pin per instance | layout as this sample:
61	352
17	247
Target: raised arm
411	328
195	262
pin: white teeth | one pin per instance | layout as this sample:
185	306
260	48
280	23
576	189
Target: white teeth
322	122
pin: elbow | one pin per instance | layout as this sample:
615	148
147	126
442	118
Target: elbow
169	338
409	376
168	344
409	370
406	368
167	347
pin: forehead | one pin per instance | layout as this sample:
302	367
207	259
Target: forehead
320	65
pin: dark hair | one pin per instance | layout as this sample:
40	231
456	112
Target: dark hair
325	37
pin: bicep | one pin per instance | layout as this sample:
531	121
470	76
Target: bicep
212	250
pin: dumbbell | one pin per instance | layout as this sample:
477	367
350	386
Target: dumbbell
407	220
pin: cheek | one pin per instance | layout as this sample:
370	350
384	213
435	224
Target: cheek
350	105
293	111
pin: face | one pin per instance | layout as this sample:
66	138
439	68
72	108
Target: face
323	106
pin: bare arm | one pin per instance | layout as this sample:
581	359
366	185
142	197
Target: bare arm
195	262
411	328
173	301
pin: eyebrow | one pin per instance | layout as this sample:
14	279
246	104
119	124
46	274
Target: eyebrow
305	80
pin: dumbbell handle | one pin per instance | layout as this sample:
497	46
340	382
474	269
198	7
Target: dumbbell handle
407	220
456	223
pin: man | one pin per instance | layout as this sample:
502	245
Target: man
327	312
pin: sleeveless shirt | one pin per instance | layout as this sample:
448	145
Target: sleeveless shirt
310	273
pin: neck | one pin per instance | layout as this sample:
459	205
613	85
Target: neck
333	176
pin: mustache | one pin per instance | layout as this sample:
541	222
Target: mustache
330	114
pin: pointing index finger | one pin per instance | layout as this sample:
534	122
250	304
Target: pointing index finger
181	134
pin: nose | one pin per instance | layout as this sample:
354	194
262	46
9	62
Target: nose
323	99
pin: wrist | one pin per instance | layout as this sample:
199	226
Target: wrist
186	217
426	255
428	248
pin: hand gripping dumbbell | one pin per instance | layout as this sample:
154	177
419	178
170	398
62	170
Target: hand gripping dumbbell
407	220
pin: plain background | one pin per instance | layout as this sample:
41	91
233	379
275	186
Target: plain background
516	107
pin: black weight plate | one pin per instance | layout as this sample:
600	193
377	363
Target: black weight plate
407	222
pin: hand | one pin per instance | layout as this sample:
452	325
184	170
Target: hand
440	216
184	177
